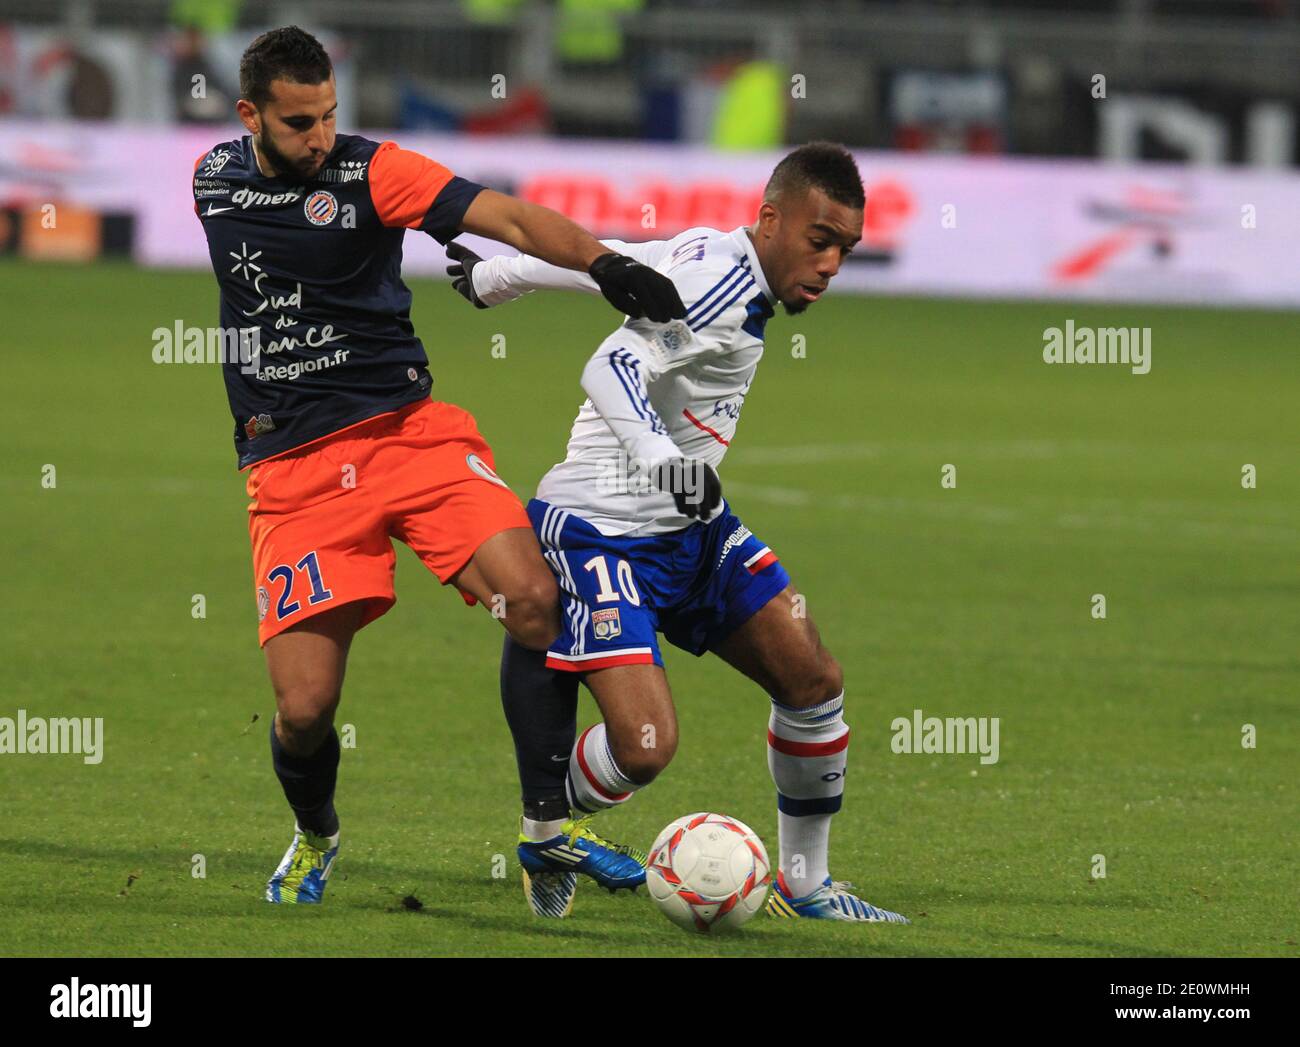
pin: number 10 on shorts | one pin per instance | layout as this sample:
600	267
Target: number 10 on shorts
626	583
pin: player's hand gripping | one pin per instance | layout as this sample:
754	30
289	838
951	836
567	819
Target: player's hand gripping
462	273
694	485
636	289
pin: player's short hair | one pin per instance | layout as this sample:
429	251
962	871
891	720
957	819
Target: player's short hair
288	53
827	166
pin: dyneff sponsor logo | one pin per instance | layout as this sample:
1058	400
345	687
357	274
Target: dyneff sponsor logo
247	198
36	735
1098	345
956	734
102	1001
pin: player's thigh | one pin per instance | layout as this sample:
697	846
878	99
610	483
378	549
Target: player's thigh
779	648
510	564
636	704
306	663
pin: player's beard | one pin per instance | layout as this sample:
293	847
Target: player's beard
795	309
282	165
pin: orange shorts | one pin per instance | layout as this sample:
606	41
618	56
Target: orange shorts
322	517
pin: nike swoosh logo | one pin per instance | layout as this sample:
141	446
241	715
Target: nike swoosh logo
216	210
559	759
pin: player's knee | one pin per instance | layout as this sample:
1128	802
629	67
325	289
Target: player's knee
644	754
819	682
532	612
305	717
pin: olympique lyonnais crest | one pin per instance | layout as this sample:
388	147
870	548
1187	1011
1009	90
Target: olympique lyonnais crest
258	424
321	207
604	623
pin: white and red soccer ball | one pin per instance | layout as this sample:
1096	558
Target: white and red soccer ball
708	872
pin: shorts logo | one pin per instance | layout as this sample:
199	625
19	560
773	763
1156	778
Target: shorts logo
321	207
263	602
258	424
734	539
605	624
484	470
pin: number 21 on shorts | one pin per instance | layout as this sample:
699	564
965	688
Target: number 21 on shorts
286	605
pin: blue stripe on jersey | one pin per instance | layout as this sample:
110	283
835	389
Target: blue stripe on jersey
718	310
758	311
618	373
800	808
629	364
702	302
703	306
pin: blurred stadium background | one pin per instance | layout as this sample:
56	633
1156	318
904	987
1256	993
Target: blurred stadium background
1178	119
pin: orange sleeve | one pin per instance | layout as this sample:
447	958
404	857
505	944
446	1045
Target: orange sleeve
404	185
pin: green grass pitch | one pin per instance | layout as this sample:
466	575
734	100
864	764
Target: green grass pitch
1119	737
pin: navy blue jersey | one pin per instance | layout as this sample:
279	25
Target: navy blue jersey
310	274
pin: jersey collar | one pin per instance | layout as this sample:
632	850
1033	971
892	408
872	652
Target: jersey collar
742	240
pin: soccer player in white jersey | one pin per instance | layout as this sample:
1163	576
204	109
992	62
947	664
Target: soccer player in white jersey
634	526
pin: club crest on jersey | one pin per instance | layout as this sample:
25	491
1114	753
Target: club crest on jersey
216	162
484	470
664	341
321	207
605	624
258	424
263	602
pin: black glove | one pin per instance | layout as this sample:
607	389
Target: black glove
694	485
462	272
636	289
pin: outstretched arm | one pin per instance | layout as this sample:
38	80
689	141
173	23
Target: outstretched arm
503	278
411	190
629	286
532	229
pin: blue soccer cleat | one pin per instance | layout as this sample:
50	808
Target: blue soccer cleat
551	867
833	900
306	865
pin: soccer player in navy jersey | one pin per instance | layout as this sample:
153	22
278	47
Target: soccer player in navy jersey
344	449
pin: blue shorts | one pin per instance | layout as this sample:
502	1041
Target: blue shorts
695	586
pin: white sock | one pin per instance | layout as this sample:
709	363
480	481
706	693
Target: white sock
806	751
594	782
539	831
805	843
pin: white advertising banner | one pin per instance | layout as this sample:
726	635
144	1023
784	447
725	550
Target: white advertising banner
933	225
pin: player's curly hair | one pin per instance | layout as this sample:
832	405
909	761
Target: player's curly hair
827	166
288	53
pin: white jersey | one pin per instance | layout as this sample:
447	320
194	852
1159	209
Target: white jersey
655	391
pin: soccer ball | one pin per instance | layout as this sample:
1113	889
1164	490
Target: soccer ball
708	872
